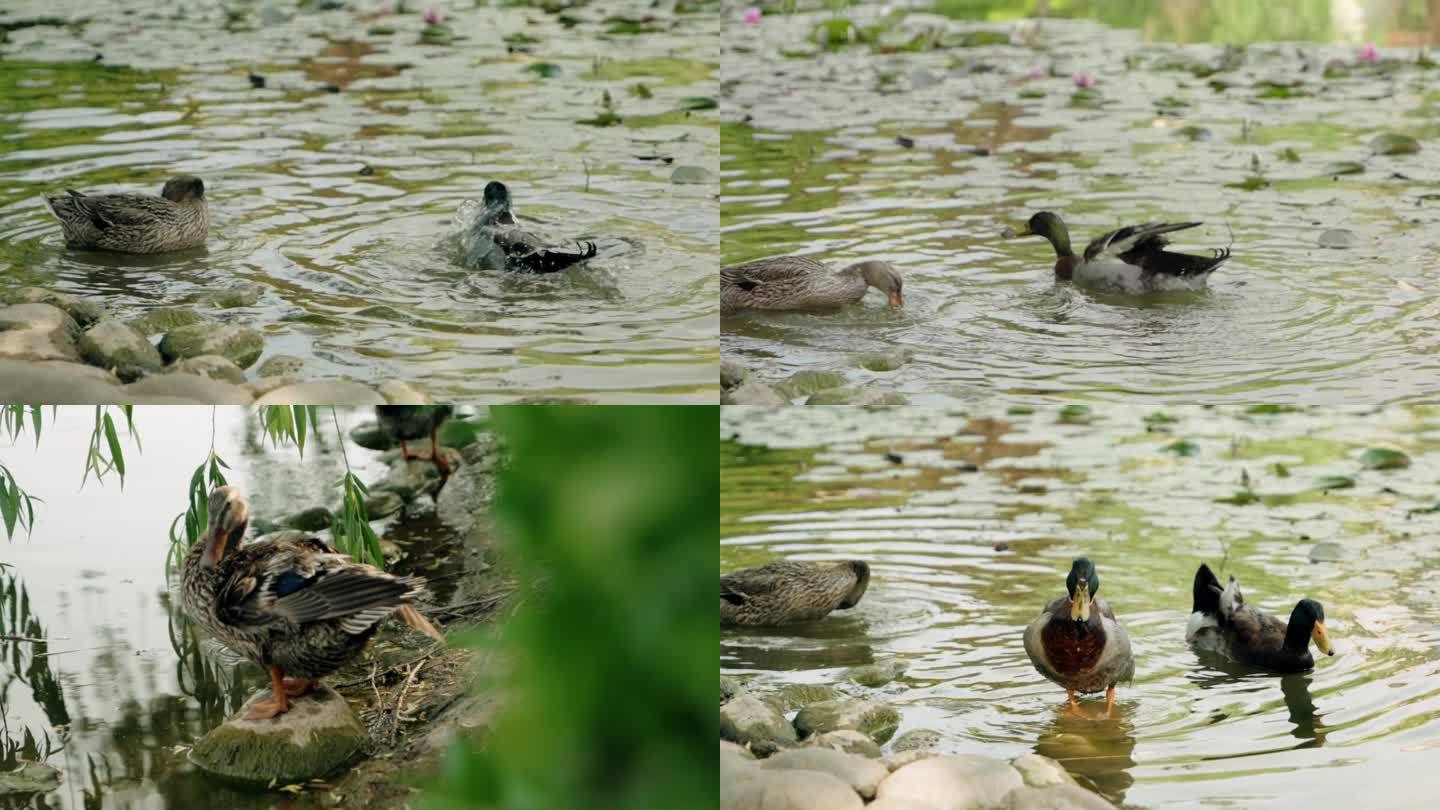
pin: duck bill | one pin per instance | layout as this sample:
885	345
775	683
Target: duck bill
1080	603
229	517
897	300
1013	233
1322	639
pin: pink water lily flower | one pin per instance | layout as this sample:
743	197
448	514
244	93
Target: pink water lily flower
1369	54
751	15
1083	80
1036	73
433	16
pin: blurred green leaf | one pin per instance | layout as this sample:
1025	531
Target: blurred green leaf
609	519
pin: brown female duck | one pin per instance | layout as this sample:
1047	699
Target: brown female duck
796	282
297	608
178	219
789	592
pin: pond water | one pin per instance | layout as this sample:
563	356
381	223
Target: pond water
334	185
122	685
892	149
962	559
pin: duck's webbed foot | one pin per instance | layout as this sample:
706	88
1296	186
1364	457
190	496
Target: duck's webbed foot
294	687
277	705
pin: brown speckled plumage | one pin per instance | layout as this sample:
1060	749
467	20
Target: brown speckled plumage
796	283
178	219
294	606
788	592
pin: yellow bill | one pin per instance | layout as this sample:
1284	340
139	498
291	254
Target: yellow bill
1080	604
1322	639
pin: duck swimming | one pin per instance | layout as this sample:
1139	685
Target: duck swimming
178	219
1078	643
496	241
1221	622
298	608
790	592
1131	260
797	282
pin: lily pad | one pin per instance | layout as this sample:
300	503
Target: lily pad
545	70
836	33
1330	482
1183	448
1340	167
1244	497
698	103
437	34
1337	238
1075	415
1271	408
690	174
1392	143
1252	183
1382	458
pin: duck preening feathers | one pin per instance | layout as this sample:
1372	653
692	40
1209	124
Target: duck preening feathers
297	608
1132	259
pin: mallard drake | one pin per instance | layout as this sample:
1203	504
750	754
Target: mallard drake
496	241
1221	622
406	423
297	608
178	219
789	592
1132	259
1078	643
796	282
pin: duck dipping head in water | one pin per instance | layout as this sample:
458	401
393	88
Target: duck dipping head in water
884	277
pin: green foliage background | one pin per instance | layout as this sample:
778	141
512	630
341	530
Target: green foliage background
608	516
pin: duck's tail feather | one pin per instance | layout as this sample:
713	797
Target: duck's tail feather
553	261
1206	592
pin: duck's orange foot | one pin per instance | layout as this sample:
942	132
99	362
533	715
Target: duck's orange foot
268	709
295	687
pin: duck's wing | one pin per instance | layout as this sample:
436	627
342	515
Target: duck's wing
766	272
525	251
306	581
740	586
108	211
1143	246
1250	632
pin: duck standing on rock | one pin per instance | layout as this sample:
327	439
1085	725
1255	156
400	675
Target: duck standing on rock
1078	643
406	423
797	282
496	241
1130	260
178	219
1221	622
298	608
790	592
